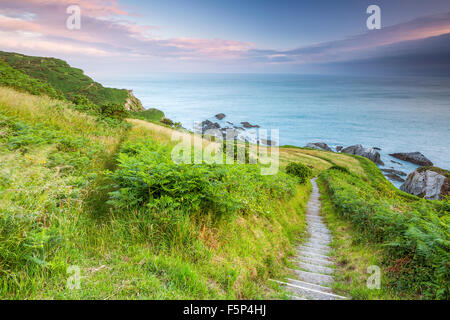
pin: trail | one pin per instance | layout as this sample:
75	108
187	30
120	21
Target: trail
313	274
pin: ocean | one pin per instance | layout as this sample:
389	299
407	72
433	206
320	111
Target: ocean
396	114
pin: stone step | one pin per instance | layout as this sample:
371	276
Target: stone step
321	236
318	261
314	220
318	231
312	254
317	245
309	285
321	242
317	225
293	297
315	268
314	249
311	277
312	294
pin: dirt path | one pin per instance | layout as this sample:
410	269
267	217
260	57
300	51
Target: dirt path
313	274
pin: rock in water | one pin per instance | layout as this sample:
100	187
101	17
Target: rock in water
394	177
247	125
220	116
369	153
319	146
339	148
413	157
396	172
427	183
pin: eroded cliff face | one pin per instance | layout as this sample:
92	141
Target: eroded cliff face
133	103
427	183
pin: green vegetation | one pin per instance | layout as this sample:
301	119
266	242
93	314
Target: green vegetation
78	192
413	232
80	186
441	171
67	80
299	170
18	80
152	115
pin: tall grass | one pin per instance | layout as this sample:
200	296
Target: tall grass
413	231
53	214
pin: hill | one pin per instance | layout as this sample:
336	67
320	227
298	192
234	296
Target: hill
69	81
101	194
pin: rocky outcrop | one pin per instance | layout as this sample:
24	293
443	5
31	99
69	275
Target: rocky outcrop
394	177
209	125
413	157
319	146
339	148
220	116
247	125
132	103
427	183
392	171
369	153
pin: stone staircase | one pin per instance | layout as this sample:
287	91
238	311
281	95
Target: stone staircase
313	274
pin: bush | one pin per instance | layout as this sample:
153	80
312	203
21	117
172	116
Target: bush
339	168
167	122
414	232
114	110
299	170
233	154
147	177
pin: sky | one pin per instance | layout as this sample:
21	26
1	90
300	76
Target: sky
248	36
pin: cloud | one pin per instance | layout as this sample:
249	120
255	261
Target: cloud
109	30
364	45
104	27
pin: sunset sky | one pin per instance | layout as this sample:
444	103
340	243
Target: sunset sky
224	36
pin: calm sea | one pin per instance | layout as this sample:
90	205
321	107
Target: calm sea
396	114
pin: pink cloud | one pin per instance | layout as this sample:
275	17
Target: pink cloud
109	30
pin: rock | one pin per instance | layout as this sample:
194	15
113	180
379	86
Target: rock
247	125
396	162
376	148
394	177
220	116
427	183
413	157
208	125
319	146
397	172
369	153
339	148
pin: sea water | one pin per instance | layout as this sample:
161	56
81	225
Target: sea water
396	114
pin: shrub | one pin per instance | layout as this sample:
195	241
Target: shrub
113	110
167	122
339	168
234	153
414	232
147	177
299	170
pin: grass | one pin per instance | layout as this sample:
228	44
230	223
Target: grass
408	235
68	81
353	257
53	190
152	115
78	190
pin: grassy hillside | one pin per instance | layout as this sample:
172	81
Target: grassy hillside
68	197
69	81
406	236
104	196
10	77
